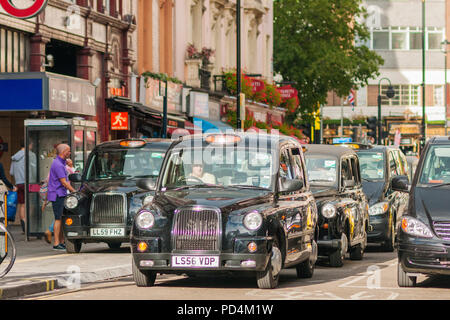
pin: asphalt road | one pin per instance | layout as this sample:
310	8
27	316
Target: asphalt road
373	278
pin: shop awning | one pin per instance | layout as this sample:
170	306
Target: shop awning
122	103
212	125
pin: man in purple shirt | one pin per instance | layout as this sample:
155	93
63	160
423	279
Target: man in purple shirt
57	191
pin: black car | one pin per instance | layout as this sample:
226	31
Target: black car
335	181
104	207
424	232
379	165
228	203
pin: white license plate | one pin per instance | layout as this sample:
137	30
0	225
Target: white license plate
195	261
107	232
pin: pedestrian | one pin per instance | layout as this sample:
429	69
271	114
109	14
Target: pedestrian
58	186
6	182
17	170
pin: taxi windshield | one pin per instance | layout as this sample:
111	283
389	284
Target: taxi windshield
121	164
371	165
436	167
218	166
321	170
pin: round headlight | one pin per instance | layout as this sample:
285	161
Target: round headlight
147	200
145	220
328	211
71	202
253	220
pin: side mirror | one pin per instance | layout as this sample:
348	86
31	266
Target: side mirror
400	183
75	177
290	185
147	184
349	183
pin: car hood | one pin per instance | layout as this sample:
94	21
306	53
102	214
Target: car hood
123	186
374	191
432	203
226	199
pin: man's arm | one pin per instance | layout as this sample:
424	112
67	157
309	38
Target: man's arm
66	184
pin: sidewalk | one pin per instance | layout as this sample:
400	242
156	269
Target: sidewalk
40	269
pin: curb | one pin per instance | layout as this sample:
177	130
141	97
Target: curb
28	288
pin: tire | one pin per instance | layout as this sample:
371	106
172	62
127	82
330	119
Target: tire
389	244
357	252
306	268
73	246
7	251
268	279
403	280
337	257
114	245
143	278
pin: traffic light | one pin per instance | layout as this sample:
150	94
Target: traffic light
372	126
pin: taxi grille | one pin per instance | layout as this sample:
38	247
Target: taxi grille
108	208
442	229
196	229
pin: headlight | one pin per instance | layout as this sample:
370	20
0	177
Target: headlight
253	220
415	227
328	210
71	202
378	208
145	220
147	200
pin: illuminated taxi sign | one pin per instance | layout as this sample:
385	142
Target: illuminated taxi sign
222	139
132	143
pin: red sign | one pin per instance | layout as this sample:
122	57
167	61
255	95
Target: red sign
25	13
118	92
287	92
119	120
257	85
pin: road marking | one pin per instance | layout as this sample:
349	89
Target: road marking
42	258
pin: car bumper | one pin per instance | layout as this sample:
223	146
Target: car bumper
239	260
326	247
380	229
77	232
427	256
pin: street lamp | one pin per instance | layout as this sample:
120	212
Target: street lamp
444	50
238	63
390	93
424	124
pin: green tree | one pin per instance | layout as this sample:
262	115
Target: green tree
314	47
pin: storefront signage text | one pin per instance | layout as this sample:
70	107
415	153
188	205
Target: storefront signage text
23	13
257	85
118	92
287	92
119	120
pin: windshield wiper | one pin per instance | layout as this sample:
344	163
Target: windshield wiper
196	186
440	185
246	186
368	180
320	180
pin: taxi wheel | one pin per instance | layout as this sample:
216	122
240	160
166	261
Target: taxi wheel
389	244
403	280
268	279
306	268
73	246
357	252
337	257
143	278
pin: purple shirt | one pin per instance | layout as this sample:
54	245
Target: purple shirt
57	171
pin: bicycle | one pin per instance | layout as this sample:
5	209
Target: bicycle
7	244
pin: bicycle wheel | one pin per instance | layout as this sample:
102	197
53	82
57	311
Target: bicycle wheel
7	251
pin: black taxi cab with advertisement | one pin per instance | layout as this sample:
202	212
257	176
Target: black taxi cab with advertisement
424	231
103	208
335	181
224	203
379	166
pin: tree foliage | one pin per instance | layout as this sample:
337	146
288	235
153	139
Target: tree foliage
314	47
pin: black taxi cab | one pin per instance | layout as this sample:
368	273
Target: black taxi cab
110	194
424	230
228	203
335	180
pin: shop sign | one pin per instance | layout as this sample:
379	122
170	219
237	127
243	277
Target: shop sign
406	128
199	105
23	13
154	94
119	120
287	92
257	85
117	92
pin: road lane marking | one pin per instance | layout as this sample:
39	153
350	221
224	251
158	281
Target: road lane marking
43	258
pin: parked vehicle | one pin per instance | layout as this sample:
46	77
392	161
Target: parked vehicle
379	166
228	203
110	195
335	180
424	232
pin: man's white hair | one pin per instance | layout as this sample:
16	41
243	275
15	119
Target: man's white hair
60	148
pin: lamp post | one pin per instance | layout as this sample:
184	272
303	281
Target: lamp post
424	130
390	93
444	50
238	63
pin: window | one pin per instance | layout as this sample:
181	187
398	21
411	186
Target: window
355	170
381	40
285	166
415	40
346	173
434	40
297	164
399	40
439	95
392	164
405	95
406	38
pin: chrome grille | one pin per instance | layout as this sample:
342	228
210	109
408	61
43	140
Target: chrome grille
196	228
109	208
442	229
